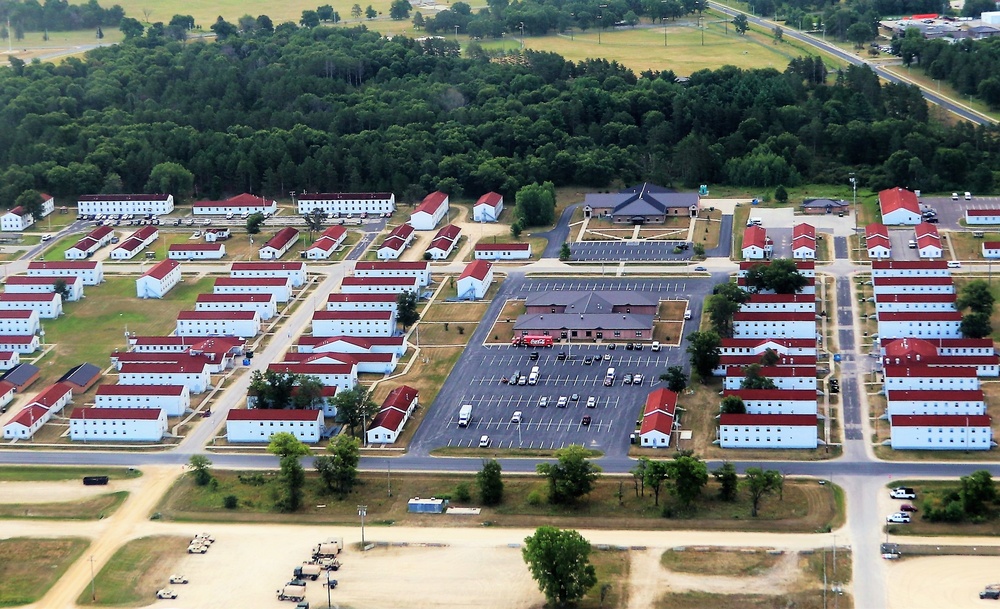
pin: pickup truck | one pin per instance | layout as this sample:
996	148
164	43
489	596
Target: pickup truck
167	593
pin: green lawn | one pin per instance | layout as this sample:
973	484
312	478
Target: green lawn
135	572
56	250
29	567
93	327
24	473
93	508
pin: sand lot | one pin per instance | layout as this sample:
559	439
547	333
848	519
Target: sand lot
941	582
52	492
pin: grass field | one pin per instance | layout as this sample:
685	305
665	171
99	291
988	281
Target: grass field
27	473
135	572
29	567
806	506
612	568
205	13
733	563
94	508
700	600
939	488
455	311
95	326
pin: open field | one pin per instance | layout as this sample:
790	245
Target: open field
503	329
961	282
93	327
96	508
455	311
968	247
29	567
921	527
707	228
806	506
136	571
713	561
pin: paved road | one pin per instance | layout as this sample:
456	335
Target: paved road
725	247
840	247
558	235
628	251
931	96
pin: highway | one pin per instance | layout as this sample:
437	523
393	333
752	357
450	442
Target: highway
956	108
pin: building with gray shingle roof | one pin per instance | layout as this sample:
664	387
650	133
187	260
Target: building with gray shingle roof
581	316
641	204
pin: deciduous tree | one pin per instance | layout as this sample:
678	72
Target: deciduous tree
976	325
760	483
703	347
292	477
732	404
559	560
675	378
572	475
490	482
977	297
687	475
535	204
339	469
728	481
200	467
406	308
354	407
654	475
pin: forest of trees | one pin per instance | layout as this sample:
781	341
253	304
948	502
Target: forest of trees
971	67
321	109
57	15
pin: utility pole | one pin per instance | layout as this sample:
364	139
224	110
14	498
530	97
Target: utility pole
388	475
93	589
362	511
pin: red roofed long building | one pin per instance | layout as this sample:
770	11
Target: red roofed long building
768	431
278	245
475	280
90	271
502	251
804	242
756	244
258	425
420	270
487	208
877	241
117	424
296	271
392	415
941	432
344	203
238	205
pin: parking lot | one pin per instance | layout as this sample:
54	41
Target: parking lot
901	245
617	251
950	212
478	375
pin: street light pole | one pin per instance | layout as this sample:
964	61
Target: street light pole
456	33
521	25
329	601
362	511
93	589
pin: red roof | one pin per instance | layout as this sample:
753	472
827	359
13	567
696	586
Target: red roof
31	297
431	203
905	347
392	266
253	281
927	234
365	342
343	196
658	413
52	394
403	231
804	230
491	199
784	360
282	238
123	197
774	316
928	316
477	269
118	414
6	386
970	395
876	229
442	243
754	236
161	269
223	315
941	420
393	243
16	313
388	418
100	232
145	232
254	297
909	265
878	241
982	212
784	395
407	281
311	368
991	245
781	298
376	297
39	279
951	343
240	200
802	265
378	315
328	240
267	266
804	371
29	414
195	343
17	339
400	397
18	211
196	247
892	199
803	242
757	342
163	368
796	420
63	265
922	371
171	390
449	232
273	414
502	247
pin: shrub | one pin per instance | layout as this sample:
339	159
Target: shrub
462	492
230	502
535	498
254	479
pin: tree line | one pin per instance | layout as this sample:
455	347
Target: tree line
286	109
56	15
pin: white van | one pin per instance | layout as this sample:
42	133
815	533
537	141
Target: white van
229	216
655	346
609	378
968	196
755	222
687	313
954	264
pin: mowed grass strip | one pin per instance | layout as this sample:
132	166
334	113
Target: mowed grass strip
29	567
701	600
455	311
136	571
94	508
29	473
805	507
730	563
93	327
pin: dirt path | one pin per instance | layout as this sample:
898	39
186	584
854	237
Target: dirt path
133	514
645	568
773	581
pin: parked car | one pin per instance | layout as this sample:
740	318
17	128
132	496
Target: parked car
588	360
516	417
484	442
898	518
562	355
607	357
543	401
700	268
591	402
562	402
990	593
637	379
575	397
629	346
533	356
627	379
585	421
903	492
906	507
638	346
